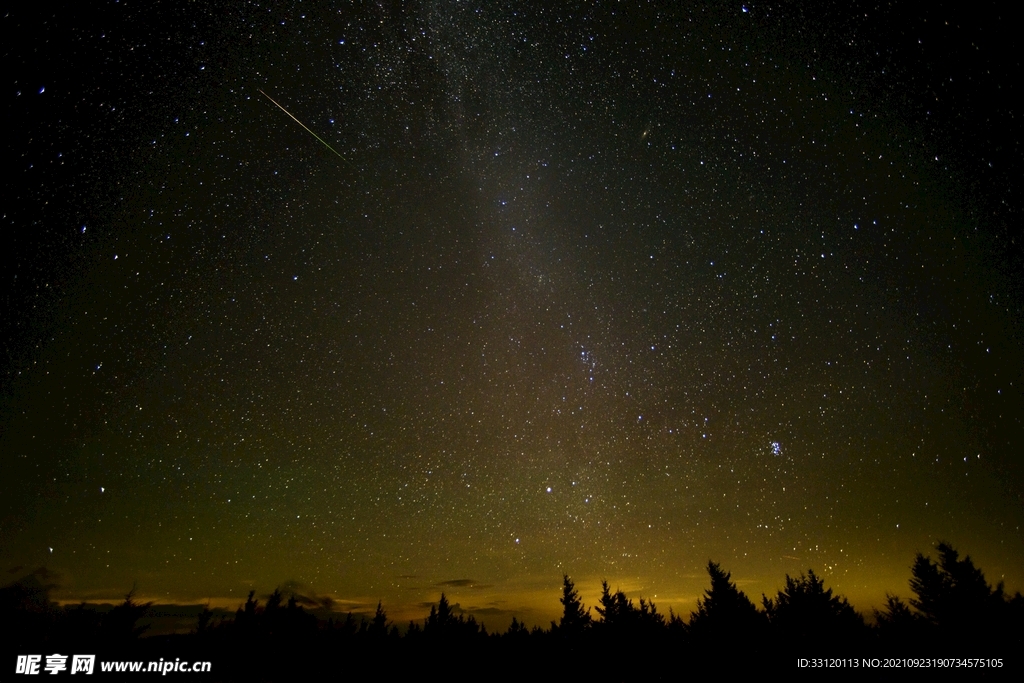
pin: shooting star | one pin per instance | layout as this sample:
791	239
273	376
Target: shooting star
304	126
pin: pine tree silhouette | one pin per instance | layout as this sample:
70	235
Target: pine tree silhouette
119	627
620	618
516	630
379	625
898	625
205	620
953	598
615	609
648	618
441	618
574	619
725	614
806	613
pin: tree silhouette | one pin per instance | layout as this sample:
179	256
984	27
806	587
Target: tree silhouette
953	598
648	617
379	626
951	591
26	612
806	613
516	630
574	619
442	622
441	619
898	625
896	612
119	625
725	614
615	608
274	601
621	617
245	617
951	603
413	631
676	625
205	620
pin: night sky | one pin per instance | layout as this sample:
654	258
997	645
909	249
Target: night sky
606	289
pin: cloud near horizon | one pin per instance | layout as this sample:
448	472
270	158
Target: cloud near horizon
463	583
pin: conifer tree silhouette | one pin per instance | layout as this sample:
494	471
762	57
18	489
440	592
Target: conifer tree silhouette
574	619
119	627
725	613
898	625
951	591
205	620
442	621
676	625
379	625
955	601
274	601
516	629
620	618
615	609
247	615
805	612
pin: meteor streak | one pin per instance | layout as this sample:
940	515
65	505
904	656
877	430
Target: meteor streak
304	126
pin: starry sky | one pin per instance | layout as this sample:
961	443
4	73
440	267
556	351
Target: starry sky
500	291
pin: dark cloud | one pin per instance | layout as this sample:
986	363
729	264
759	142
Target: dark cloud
307	597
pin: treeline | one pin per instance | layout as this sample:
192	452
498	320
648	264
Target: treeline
954	612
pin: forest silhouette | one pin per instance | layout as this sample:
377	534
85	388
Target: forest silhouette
953	612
